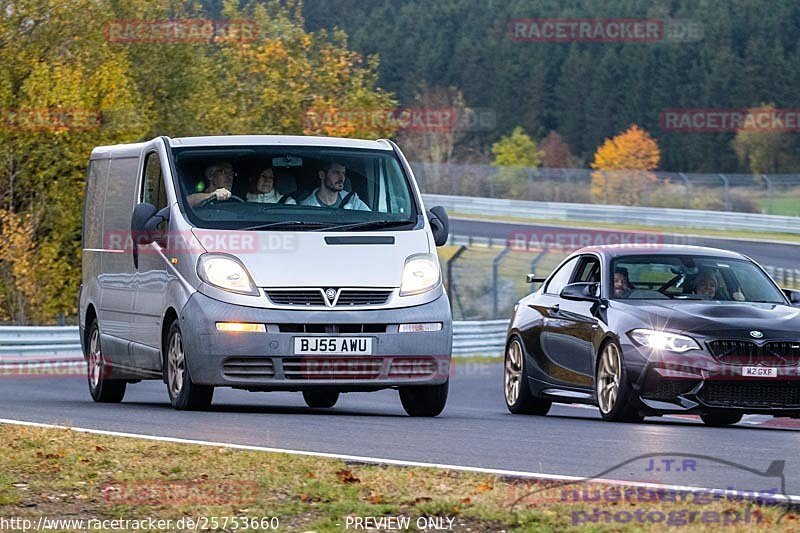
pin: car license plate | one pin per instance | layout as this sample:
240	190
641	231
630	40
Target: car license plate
333	345
760	372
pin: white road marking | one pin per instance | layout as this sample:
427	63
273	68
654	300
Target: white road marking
393	462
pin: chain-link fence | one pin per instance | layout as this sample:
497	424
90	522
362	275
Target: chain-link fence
775	194
486	277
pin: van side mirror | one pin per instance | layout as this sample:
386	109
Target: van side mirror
793	296
589	292
440	225
142	214
144	227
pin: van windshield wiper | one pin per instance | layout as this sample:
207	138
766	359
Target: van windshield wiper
286	224
370	224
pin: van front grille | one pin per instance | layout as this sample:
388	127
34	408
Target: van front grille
344	368
351	297
332	328
329	297
297	297
255	368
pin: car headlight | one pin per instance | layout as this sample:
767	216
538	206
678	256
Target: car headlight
227	273
420	274
661	340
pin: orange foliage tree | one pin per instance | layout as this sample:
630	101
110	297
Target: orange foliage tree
622	167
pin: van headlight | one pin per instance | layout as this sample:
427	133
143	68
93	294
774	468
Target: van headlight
420	274
227	273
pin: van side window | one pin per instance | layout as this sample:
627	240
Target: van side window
153	190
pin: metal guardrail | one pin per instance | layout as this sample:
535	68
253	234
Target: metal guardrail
479	337
60	344
616	214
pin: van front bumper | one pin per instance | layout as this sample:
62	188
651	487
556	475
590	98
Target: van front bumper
266	360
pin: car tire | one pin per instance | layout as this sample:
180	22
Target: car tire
517	392
424	400
613	390
184	394
720	419
102	389
321	399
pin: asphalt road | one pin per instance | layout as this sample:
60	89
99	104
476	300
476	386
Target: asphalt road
766	253
474	430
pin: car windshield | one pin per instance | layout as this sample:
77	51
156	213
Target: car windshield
685	277
297	188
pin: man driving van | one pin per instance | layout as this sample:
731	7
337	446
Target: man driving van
331	191
219	179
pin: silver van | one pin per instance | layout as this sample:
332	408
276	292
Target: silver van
263	263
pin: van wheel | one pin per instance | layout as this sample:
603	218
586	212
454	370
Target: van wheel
183	394
519	398
425	400
321	399
720	419
102	389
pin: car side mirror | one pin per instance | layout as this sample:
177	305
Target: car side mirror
440	225
588	292
793	295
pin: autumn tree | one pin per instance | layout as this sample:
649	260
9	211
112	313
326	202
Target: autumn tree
58	60
515	154
555	152
765	151
622	167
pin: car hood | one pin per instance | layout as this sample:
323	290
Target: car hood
318	259
714	318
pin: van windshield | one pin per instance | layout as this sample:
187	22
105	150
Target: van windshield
297	188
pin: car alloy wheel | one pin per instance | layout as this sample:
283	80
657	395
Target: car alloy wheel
609	375
513	372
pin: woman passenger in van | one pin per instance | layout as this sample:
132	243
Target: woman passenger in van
262	189
219	179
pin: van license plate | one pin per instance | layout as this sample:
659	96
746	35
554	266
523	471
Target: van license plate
333	345
760	372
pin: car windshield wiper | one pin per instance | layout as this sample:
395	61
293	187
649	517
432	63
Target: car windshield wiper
286	224
370	224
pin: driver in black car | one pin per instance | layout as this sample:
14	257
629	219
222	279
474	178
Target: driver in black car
219	179
622	284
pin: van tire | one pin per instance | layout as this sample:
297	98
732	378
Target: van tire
184	395
320	399
102	389
425	400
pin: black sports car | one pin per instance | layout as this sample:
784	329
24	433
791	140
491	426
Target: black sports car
643	331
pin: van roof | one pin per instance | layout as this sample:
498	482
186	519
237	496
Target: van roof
134	149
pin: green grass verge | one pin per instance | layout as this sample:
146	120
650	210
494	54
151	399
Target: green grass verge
63	474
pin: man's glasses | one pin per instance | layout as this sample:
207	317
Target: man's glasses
226	172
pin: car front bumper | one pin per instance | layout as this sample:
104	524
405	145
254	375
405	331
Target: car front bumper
266	361
697	383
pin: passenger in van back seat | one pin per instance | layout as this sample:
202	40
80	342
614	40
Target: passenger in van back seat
219	178
262	189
